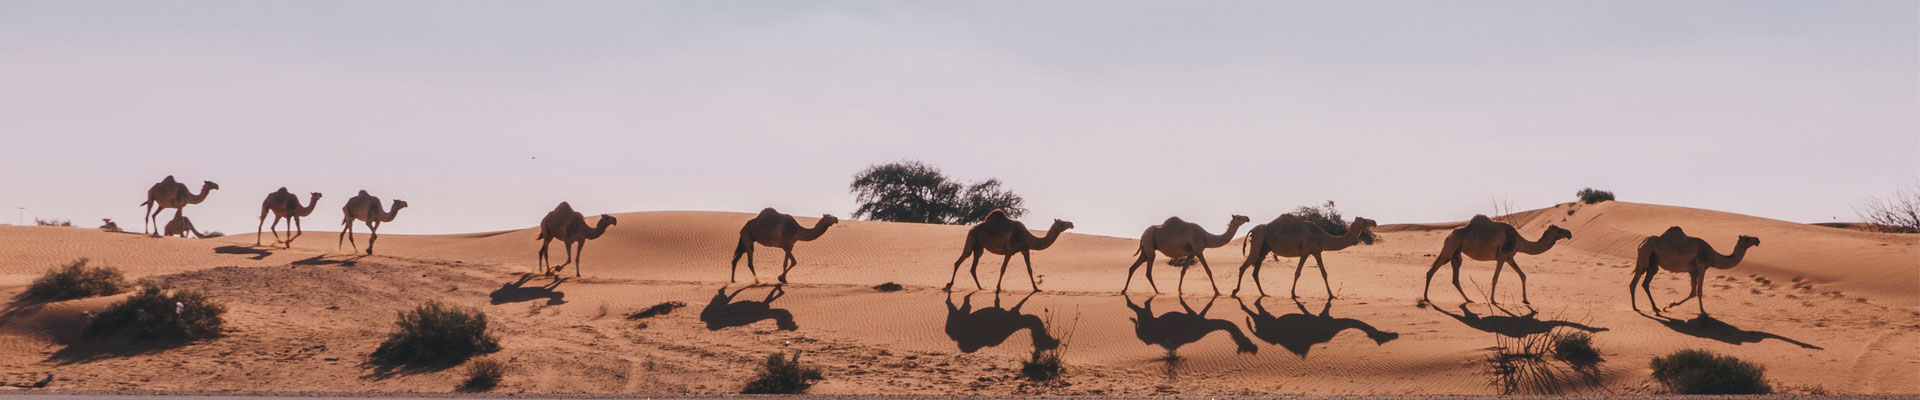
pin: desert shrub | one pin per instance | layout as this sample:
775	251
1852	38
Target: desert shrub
52	222
1591	195
888	287
483	374
783	376
76	280
1575	347
1701	372
911	191
1328	218
657	310
1899	213
153	313
1044	365
435	333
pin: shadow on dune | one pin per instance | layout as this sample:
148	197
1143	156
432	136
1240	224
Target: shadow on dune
517	291
1514	326
1710	328
989	326
1174	329
1298	333
258	254
65	330
722	312
322	260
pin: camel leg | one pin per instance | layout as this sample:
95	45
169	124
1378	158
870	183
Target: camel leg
1241	277
276	231
750	271
1523	282
578	253
1203	266
1694	291
1180	286
787	264
348	234
565	247
1028	259
956	268
1428	286
297	231
1699	279
1631	299
1456	281
1646	286
256	229
1493	294
974	271
1323	275
156	218
1257	266
742	248
1145	258
548	241
1295	292
1003	272
373	233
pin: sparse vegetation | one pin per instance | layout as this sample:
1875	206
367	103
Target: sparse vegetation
153	313
657	310
1329	219
76	280
435	333
1701	372
1591	195
1046	363
783	376
483	374
1899	213
887	287
911	191
1575	347
52	222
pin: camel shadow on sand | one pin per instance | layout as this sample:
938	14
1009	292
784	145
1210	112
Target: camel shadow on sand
1298	333
1174	329
973	329
257	253
1514	326
518	291
1710	328
723	312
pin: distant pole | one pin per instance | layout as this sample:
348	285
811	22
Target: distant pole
23	216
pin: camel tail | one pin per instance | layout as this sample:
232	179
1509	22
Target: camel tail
146	203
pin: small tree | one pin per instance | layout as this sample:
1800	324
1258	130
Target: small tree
1899	213
1591	195
911	191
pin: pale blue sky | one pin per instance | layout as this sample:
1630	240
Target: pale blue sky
1111	114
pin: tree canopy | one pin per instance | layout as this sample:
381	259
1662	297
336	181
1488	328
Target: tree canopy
911	191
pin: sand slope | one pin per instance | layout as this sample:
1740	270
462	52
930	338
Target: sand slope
305	318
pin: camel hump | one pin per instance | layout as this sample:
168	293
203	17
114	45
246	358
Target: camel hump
996	215
563	207
363	192
1674	232
1172	220
1480	219
768	212
283	189
169	179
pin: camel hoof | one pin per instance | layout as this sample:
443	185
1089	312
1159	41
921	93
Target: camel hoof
1527	302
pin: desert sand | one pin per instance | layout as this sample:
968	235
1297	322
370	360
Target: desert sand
1823	309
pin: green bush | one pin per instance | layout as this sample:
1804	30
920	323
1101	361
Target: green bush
483	375
154	314
76	280
1591	195
1575	347
436	334
783	376
1701	372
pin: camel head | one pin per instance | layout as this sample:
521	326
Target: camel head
316	197
208	185
1555	232
1748	241
397	205
1238	220
828	220
1059	225
607	220
1363	224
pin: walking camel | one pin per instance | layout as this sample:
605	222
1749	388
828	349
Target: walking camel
1487	240
773	229
569	227
284	205
365	207
1290	236
1677	252
1178	239
170	194
1001	235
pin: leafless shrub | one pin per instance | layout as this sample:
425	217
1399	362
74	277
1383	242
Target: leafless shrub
1899	213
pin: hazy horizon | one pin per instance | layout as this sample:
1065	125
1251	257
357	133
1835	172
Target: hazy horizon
1114	115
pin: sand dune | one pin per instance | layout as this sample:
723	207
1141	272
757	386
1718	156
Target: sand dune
305	318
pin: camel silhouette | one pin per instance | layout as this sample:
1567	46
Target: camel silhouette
722	312
1298	333
998	234
1674	251
973	329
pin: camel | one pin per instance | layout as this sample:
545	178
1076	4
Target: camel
569	227
365	207
1180	239
284	205
1001	235
773	229
1290	236
170	194
108	225
181	226
1486	240
1677	252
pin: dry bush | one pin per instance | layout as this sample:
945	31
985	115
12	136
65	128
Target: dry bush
76	280
483	374
1591	195
155	314
1899	213
436	334
52	222
1701	372
783	376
